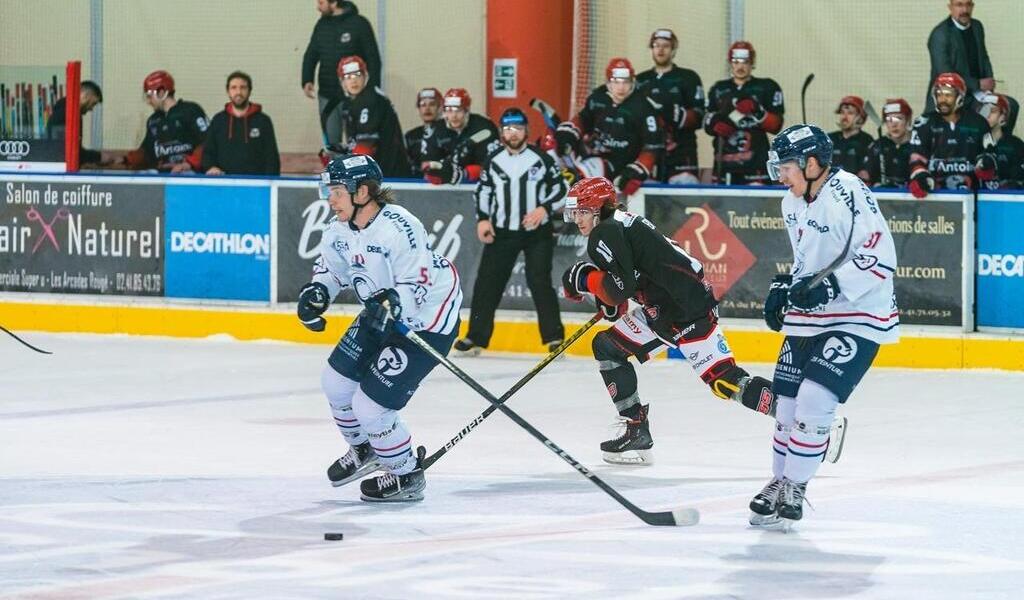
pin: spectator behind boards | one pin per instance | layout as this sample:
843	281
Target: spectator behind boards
241	139
88	98
341	31
175	132
957	45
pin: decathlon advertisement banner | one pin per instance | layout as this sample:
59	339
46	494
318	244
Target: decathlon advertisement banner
81	237
218	242
1000	267
740	237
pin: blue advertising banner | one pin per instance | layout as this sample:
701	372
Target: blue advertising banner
1000	268
217	242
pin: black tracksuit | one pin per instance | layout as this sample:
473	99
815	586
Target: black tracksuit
243	145
348	34
850	152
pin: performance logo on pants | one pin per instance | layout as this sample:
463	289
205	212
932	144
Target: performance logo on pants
392	361
839	349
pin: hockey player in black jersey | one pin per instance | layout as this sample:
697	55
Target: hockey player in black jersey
615	134
741	112
175	132
428	105
679	96
370	121
849	143
462	145
951	147
629	259
887	163
1008	149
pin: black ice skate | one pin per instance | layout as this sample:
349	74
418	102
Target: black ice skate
633	446
764	505
466	347
358	461
791	502
395	488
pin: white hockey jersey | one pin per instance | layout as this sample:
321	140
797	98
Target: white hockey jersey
392	252
818	232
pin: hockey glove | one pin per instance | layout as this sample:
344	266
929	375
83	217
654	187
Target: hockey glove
574	280
985	168
381	310
809	299
313	302
921	184
567	139
612	313
775	303
750	106
632	178
722	126
439	171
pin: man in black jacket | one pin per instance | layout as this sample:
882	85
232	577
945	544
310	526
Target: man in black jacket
88	98
341	31
370	122
957	45
240	140
417	139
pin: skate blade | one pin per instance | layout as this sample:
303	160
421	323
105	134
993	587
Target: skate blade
836	439
474	351
636	458
787	525
770	522
415	496
371	467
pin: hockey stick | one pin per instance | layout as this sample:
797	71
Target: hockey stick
681	517
548	112
426	461
11	333
835	264
803	96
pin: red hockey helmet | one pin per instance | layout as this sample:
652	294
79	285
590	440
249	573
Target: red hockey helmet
428	94
998	101
350	65
897	106
158	80
619	68
456	98
856	102
741	50
589	195
664	34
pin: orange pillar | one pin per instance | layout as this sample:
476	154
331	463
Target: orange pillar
537	34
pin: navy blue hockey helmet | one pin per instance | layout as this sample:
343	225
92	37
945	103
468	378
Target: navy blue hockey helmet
513	116
798	143
349	170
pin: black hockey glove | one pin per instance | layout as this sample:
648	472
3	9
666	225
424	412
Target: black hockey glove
440	171
921	183
775	303
567	139
612	313
633	176
314	298
381	310
574	280
806	298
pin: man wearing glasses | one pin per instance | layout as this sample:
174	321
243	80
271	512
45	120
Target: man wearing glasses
519	190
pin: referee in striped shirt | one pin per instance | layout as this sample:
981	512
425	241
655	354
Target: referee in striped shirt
520	188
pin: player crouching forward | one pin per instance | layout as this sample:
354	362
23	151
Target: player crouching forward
839	307
677	309
381	252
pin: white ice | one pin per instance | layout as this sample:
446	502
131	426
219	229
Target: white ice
138	467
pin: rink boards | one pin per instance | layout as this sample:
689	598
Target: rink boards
198	256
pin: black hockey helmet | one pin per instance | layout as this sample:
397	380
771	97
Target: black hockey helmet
512	116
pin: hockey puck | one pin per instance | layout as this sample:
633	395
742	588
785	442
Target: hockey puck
334	537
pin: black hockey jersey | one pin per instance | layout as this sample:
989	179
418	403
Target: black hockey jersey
418	147
620	134
373	129
172	137
469	147
886	163
1009	151
949	151
644	265
849	152
679	96
747	149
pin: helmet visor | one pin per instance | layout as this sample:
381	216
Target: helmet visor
573	210
772	165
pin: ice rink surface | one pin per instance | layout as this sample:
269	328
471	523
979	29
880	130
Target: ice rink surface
154	468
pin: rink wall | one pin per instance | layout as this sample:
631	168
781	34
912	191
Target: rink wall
197	256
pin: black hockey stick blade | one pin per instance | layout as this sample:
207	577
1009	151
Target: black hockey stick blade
421	452
28	345
551	118
803	96
680	517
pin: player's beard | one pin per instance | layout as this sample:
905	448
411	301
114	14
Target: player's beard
516	146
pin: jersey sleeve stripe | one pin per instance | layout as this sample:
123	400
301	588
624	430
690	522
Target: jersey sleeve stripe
447	304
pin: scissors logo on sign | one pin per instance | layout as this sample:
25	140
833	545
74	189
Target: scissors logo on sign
34	215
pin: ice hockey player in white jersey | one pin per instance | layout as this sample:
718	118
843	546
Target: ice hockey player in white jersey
835	307
380	250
